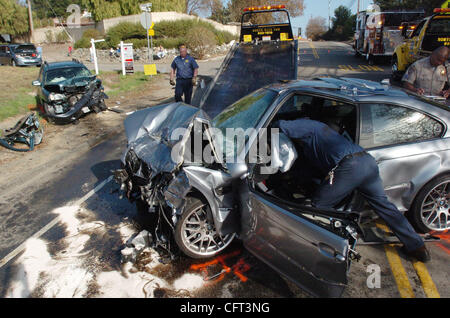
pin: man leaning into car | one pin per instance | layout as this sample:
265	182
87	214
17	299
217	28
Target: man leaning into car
346	167
429	75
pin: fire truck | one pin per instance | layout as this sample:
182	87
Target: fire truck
377	34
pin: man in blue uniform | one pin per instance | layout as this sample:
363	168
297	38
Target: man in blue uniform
186	69
345	167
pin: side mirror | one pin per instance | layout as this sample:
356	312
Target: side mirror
36	83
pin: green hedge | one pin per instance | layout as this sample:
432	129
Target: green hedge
169	34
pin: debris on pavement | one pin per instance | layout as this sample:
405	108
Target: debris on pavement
27	131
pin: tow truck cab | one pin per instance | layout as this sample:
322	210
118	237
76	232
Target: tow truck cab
266	23
431	33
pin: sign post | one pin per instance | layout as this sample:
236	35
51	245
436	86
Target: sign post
146	22
126	53
94	54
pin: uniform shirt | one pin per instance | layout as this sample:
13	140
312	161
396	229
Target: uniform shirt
424	75
322	146
185	66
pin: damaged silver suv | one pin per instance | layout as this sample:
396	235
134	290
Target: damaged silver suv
205	181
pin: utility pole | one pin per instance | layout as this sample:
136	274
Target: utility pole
30	18
357	11
329	14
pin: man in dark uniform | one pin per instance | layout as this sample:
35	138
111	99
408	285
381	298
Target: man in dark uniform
345	167
186	69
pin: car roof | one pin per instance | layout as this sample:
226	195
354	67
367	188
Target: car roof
56	65
356	90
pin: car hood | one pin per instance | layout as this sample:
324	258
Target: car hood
158	135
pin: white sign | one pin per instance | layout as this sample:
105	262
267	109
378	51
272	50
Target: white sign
146	20
126	51
145	7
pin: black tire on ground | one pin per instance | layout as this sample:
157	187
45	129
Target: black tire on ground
194	204
415	211
13	63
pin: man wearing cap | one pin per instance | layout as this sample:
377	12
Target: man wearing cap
186	69
428	76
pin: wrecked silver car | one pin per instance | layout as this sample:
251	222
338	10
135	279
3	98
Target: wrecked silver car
206	196
68	90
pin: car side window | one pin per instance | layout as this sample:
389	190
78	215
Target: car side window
296	103
384	125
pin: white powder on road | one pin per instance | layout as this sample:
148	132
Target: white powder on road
188	282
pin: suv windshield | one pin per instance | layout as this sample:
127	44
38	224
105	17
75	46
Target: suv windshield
62	74
244	114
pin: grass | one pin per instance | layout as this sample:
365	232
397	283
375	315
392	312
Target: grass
16	91
116	84
17	95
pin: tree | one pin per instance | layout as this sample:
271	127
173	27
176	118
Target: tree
104	9
196	6
48	8
427	5
13	18
219	12
316	27
343	23
236	7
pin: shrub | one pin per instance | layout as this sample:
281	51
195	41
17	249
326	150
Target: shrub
169	34
82	43
49	36
61	37
92	34
199	39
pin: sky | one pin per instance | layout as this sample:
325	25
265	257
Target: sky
316	8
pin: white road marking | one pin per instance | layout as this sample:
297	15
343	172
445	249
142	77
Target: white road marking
55	221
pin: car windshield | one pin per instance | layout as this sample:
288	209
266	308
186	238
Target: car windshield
244	114
62	74
24	48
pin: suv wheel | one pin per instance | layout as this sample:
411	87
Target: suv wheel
431	208
196	234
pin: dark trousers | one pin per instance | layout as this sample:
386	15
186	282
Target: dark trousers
184	87
362	173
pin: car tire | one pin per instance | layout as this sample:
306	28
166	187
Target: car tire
13	63
194	228
425	221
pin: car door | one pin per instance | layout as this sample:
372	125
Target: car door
405	142
281	236
287	237
415	51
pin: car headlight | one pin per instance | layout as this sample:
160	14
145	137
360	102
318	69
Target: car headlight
56	97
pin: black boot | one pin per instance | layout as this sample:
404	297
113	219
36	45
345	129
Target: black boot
421	254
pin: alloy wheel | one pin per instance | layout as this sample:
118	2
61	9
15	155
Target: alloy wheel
200	236
435	209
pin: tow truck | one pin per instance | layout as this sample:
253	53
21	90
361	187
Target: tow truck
266	53
378	33
431	33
